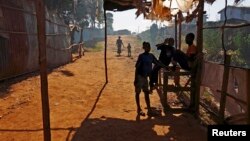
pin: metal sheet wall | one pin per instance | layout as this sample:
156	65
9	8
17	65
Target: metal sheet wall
18	39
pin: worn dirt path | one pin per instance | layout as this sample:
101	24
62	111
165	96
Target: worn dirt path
82	109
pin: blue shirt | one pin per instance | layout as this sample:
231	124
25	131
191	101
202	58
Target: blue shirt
144	64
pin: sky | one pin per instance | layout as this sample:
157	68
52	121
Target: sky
127	19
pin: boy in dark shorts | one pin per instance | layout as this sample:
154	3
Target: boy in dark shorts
142	72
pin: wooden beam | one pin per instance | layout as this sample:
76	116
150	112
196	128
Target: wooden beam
177	89
171	73
175	24
179	34
165	92
224	88
199	48
160	77
40	8
248	97
105	50
234	97
209	110
80	49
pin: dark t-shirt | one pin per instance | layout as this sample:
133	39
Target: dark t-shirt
166	54
119	43
144	64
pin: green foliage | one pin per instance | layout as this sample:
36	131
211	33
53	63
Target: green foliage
212	43
59	5
238	44
241	55
86	12
110	20
153	33
98	47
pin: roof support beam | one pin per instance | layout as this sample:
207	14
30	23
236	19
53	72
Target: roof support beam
105	49
43	68
200	48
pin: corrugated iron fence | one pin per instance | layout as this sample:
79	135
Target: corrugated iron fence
18	39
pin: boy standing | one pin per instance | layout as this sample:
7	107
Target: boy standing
142	72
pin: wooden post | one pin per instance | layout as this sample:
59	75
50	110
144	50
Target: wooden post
248	97
175	35
199	48
160	76
80	44
81	35
179	39
165	91
192	93
224	88
40	13
105	50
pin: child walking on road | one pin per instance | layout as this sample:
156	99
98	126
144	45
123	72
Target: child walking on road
129	50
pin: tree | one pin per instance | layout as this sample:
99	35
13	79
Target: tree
85	12
153	33
212	44
90	10
110	21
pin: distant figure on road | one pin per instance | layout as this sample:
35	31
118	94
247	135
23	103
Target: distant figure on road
129	50
119	45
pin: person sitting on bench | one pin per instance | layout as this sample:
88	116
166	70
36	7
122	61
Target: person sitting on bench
186	60
166	54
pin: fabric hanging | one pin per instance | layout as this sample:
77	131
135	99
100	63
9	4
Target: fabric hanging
184	5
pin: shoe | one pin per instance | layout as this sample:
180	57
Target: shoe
151	90
153	113
140	113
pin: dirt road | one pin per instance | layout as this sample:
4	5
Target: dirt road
83	108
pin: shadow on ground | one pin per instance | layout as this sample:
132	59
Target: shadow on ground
165	128
67	73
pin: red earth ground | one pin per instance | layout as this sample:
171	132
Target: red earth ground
83	108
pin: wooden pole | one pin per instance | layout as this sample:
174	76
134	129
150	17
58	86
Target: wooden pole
224	88
225	73
40	10
179	39
165	92
80	44
175	35
199	48
160	77
248	97
81	35
105	51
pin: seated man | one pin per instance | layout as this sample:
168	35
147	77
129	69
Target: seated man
186	60
167	52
